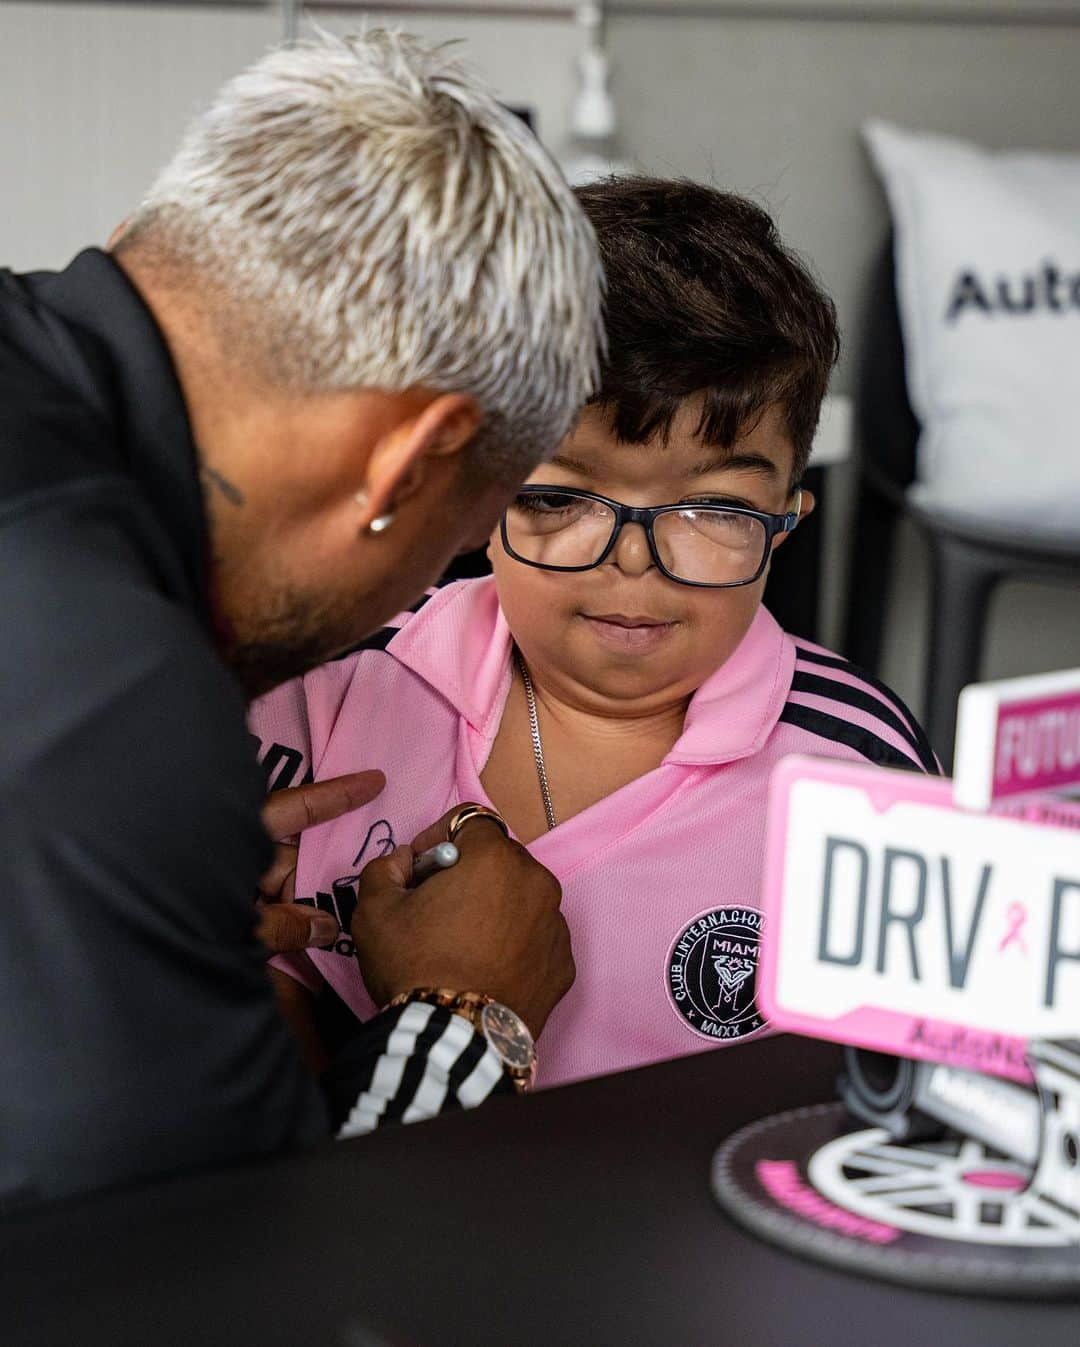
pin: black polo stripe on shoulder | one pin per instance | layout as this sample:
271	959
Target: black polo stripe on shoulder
820	686
380	639
837	662
844	732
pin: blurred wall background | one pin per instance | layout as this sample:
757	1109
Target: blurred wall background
763	97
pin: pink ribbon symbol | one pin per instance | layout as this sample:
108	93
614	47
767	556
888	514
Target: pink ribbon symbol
1016	915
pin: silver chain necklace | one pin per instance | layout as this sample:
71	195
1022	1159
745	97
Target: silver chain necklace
538	747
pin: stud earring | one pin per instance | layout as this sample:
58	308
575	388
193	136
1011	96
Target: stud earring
378	525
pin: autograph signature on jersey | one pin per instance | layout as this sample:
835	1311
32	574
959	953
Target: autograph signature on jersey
341	900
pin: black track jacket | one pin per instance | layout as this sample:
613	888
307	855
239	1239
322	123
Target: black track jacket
138	1033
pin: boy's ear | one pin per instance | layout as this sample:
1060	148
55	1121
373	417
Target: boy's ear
806	503
494	544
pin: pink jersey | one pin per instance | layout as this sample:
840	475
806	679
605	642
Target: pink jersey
660	880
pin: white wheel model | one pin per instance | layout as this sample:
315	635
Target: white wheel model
951	1190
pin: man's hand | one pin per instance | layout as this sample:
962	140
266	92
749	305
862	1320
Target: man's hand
284	927
489	924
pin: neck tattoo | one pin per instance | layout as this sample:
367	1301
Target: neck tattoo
212	478
537	742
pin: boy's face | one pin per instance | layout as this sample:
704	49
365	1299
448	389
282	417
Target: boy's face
623	637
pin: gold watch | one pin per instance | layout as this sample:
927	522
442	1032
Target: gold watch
506	1032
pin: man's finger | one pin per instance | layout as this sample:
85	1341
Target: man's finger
288	812
285	928
275	883
435	833
389	874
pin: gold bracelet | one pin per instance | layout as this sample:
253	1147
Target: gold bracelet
441	996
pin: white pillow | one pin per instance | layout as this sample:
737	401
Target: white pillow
988	281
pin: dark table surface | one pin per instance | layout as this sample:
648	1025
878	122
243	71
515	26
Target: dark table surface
580	1216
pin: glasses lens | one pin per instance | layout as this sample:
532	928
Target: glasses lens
710	546
553	529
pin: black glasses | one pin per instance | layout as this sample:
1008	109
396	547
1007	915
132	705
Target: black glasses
558	528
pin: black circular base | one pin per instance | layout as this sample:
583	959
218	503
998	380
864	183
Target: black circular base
948	1215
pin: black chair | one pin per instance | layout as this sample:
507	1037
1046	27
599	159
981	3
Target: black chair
967	560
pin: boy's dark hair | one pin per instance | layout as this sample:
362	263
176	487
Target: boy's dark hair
704	299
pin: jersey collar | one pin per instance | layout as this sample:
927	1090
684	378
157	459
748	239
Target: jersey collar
460	644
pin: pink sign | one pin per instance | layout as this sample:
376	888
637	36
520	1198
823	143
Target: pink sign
897	922
1017	736
1037	746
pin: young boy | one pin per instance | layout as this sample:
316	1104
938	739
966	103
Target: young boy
616	690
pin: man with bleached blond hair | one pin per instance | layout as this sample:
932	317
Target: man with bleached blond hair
356	308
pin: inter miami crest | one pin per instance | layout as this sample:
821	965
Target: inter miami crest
712	972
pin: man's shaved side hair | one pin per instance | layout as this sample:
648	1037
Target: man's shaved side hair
362	214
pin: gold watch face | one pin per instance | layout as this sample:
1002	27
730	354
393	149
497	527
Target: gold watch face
507	1034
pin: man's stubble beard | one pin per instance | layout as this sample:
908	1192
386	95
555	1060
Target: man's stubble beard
286	630
264	655
293	634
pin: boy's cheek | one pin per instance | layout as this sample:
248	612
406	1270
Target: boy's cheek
524	592
719	619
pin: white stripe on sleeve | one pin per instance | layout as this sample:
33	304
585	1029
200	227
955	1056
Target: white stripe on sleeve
386	1079
431	1093
481	1081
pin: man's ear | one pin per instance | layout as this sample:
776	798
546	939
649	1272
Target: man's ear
417	446
117	234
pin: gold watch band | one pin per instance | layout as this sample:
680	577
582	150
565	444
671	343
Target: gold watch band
461	1002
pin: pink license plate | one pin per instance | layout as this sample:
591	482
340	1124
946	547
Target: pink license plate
895	921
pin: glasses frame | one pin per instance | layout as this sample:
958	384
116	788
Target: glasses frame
646	515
